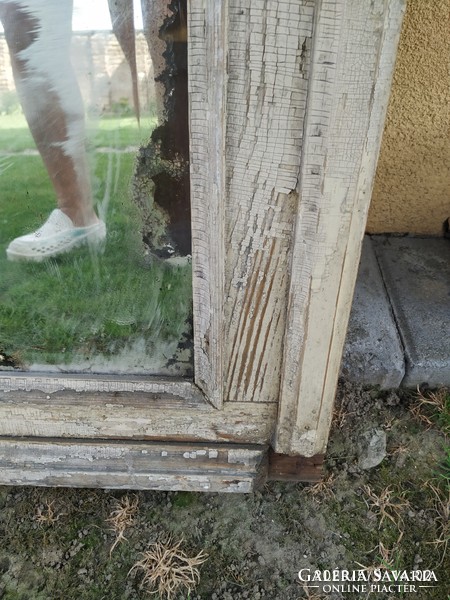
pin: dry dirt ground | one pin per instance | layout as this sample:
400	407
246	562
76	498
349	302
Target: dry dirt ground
81	544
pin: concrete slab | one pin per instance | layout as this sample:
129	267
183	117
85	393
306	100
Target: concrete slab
373	353
416	272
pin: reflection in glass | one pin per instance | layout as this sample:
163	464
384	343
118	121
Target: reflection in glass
94	175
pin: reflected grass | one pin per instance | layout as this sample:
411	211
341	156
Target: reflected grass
81	305
109	131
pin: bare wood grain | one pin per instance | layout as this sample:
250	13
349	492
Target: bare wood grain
269	49
283	467
207	93
352	64
145	466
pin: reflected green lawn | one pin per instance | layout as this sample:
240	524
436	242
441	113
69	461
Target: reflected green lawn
112	131
81	304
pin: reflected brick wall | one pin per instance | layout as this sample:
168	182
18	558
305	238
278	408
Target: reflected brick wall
102	71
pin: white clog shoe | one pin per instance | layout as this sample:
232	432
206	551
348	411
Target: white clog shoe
56	236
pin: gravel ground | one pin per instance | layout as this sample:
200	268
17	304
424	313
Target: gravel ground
383	503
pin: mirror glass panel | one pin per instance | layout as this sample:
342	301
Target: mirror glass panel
95	242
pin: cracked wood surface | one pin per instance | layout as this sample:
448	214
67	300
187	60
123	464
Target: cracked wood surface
269	50
352	63
207	91
133	416
49	383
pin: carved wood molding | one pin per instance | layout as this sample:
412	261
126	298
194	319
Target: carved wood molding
142	466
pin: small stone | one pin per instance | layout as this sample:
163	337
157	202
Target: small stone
392	399
372	449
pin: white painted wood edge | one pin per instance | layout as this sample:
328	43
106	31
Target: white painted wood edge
352	64
395	10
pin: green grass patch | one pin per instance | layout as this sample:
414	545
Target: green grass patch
120	131
184	499
111	132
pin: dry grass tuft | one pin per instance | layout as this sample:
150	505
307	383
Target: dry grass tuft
167	569
386	559
386	505
340	415
311	595
399	450
435	403
46	514
442	518
322	490
122	517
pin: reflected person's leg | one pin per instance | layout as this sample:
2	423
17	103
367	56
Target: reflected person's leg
38	36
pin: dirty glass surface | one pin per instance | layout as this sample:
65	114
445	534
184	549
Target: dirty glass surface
95	273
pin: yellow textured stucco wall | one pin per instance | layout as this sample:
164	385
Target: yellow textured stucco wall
412	186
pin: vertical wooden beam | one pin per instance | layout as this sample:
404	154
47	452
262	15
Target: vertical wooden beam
207	34
269	50
352	62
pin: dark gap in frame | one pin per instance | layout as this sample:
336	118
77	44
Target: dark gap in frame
165	159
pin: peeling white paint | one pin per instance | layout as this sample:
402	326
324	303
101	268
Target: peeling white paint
50	384
240	456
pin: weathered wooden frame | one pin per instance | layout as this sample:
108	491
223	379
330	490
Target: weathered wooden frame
284	144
